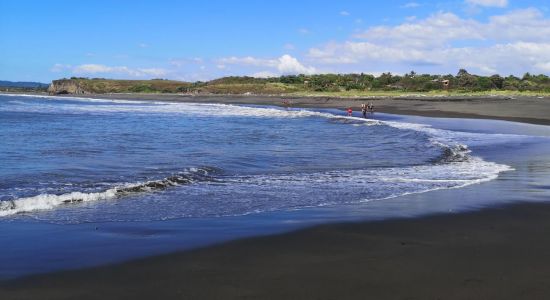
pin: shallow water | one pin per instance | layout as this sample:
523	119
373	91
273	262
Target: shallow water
111	180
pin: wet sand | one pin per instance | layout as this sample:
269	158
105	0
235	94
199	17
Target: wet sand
498	253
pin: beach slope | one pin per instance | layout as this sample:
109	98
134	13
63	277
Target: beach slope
497	253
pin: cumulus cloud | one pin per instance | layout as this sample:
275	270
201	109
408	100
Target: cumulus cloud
442	27
355	52
517	41
119	70
435	30
488	3
344	13
290	65
285	64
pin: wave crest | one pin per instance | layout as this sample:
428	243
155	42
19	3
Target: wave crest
49	201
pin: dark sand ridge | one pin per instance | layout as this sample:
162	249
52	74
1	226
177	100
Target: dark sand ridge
496	253
527	109
499	253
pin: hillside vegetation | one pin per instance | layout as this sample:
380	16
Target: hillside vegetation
22	86
326	84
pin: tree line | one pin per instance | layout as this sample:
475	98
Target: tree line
410	82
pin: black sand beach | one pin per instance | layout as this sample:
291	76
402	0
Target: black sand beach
496	253
499	253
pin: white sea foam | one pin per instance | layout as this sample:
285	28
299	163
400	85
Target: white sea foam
75	98
455	174
49	201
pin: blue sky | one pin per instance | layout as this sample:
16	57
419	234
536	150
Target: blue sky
201	40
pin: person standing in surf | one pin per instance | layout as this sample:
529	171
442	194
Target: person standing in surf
286	104
350	111
364	110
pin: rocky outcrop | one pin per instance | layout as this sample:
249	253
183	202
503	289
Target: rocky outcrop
66	86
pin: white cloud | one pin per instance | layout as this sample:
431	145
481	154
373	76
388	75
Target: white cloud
488	3
435	30
444	27
180	62
515	42
354	52
143	45
303	31
56	68
157	72
290	65
344	13
285	64
264	74
410	5
92	69
249	61
543	66
120	70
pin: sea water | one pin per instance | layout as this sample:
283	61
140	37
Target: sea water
85	182
80	160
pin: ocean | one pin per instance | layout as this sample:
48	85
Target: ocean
73	165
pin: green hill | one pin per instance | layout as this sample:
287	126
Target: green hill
321	84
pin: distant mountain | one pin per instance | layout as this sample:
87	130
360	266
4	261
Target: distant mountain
21	84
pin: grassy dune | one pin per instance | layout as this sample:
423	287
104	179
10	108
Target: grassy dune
101	86
258	86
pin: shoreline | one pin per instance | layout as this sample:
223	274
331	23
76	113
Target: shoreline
524	109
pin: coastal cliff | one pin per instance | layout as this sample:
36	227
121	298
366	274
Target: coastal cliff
79	85
66	86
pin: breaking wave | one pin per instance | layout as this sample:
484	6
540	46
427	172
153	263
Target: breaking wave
49	201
